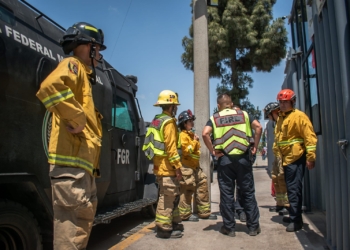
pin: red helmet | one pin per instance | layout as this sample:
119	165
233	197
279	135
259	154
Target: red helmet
286	95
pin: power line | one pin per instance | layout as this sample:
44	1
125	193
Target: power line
120	30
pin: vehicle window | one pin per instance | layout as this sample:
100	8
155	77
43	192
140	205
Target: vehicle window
121	116
7	16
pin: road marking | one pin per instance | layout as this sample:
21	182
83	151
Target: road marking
135	237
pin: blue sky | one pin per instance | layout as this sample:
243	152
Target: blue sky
143	38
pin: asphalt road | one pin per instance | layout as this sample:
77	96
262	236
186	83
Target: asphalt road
105	236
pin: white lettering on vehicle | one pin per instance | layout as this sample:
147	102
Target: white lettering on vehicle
123	156
22	39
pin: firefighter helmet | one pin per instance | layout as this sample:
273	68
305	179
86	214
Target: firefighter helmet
185	116
286	95
81	33
167	97
269	108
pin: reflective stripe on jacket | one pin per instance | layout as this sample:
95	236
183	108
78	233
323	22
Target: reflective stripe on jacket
67	93
231	131
154	141
190	149
164	161
294	135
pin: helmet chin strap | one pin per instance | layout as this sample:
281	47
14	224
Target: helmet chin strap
173	110
93	57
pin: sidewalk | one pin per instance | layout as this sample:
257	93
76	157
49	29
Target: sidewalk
205	233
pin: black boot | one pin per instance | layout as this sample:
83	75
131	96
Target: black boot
276	208
294	226
242	216
178	227
283	211
255	232
168	234
193	217
227	232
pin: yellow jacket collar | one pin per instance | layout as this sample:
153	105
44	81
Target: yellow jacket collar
168	114
286	113
87	68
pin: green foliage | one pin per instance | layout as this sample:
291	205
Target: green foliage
242	37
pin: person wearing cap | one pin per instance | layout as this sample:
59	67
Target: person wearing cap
194	180
296	141
160	145
271	111
75	140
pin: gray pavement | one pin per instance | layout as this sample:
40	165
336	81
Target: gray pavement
205	233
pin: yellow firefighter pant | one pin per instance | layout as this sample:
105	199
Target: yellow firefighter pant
167	208
194	182
279	183
74	205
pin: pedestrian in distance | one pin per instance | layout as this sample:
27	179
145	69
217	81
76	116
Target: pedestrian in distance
161	146
75	141
295	139
232	130
194	180
271	111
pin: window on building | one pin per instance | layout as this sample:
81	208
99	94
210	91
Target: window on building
312	90
297	25
121	115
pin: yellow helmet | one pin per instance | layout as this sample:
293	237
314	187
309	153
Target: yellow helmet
167	97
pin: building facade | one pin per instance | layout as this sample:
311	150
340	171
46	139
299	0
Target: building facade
318	70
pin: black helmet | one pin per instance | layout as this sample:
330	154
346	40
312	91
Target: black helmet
186	115
81	33
269	108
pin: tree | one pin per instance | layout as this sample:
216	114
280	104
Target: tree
242	36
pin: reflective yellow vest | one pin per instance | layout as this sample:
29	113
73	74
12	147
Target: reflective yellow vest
231	130
154	141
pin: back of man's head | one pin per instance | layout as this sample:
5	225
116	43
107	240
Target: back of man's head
224	101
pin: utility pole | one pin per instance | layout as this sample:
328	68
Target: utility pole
201	79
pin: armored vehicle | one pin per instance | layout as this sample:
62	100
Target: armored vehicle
29	51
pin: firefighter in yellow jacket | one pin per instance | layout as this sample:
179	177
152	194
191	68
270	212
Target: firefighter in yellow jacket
271	111
194	180
161	146
75	140
296	142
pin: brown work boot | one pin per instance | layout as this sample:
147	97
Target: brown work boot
227	232
168	234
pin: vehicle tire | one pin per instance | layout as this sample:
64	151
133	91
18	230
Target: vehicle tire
149	211
18	228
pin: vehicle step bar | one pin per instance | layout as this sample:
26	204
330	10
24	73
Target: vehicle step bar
106	216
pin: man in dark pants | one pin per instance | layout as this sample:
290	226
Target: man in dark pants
295	139
232	131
